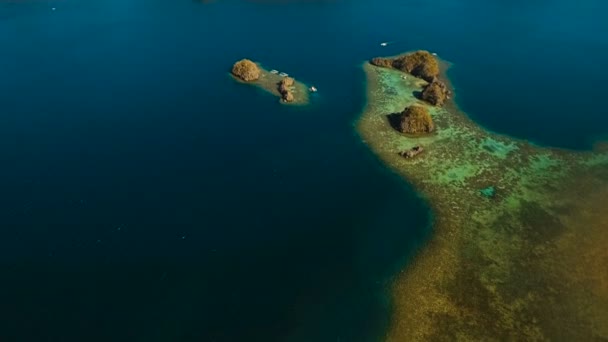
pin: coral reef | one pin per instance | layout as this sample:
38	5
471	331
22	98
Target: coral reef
519	231
246	70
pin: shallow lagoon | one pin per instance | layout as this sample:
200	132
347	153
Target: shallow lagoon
513	231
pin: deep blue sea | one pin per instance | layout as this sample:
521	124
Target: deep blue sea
146	196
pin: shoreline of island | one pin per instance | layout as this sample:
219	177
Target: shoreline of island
443	289
289	90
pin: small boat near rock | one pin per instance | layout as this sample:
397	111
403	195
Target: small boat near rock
274	71
283	74
313	89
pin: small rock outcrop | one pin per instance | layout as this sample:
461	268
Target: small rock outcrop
411	153
415	120
435	93
488	192
246	70
421	64
382	62
285	89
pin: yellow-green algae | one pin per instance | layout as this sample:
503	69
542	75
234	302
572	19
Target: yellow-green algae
270	83
528	263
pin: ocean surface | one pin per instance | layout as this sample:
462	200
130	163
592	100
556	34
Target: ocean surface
146	196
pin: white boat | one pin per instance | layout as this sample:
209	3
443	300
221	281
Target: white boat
434	54
274	71
383	44
283	74
313	89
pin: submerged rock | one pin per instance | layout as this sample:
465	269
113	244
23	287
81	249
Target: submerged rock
488	192
416	119
246	70
411	153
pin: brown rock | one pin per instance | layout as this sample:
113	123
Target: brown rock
246	70
435	93
421	64
288	81
382	62
288	96
416	119
284	89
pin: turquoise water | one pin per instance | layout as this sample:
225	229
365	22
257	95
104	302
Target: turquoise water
148	197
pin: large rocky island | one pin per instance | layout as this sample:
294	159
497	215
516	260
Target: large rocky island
520	231
289	90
